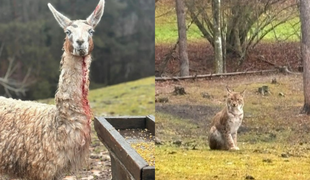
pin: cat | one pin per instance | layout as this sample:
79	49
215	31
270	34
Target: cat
223	132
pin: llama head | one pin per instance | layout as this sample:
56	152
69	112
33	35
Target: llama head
78	41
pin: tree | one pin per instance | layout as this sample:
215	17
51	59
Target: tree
9	84
243	23
184	63
305	52
217	38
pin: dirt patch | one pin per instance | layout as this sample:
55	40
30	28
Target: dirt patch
201	58
195	113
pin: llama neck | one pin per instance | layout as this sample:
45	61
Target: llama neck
71	97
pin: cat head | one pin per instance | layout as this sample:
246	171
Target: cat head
235	100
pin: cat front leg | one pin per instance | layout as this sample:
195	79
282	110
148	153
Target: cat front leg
230	142
234	136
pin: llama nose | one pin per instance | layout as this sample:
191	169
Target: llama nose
80	41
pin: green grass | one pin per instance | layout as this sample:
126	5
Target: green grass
166	30
287	31
273	140
168	33
261	161
130	98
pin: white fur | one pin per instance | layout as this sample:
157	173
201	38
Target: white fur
79	34
80	31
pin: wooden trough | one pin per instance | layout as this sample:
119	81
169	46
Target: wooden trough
126	163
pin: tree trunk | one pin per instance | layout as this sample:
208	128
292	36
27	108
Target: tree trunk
305	52
184	64
218	53
25	11
224	36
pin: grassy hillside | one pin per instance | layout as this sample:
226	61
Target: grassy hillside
130	98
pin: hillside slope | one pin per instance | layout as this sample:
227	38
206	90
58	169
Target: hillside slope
129	98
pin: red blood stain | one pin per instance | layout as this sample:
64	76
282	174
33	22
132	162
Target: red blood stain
85	91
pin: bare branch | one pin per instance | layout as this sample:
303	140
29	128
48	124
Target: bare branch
11	85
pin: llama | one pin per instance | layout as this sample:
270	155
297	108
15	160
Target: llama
40	141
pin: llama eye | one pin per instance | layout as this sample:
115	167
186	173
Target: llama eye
68	32
91	32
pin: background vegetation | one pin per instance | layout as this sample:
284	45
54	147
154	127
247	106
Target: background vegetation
282	41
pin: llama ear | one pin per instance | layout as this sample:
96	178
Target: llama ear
62	20
95	17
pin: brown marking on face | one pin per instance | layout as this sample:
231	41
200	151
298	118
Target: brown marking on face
91	45
68	46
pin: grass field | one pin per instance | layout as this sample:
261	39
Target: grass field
273	138
129	98
166	30
260	161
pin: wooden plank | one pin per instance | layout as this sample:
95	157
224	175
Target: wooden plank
148	173
150	124
116	144
129	122
119	170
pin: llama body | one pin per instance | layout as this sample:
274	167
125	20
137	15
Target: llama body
223	132
39	149
39	141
